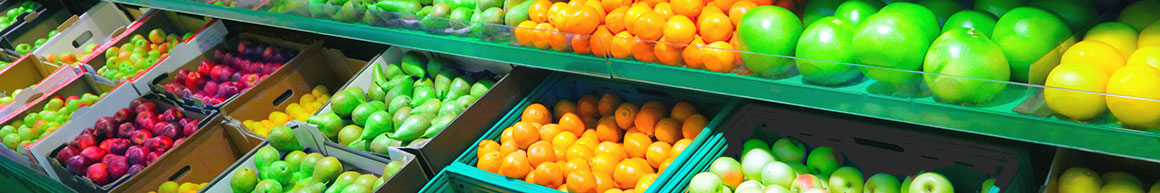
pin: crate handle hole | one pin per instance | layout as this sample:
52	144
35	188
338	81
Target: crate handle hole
180	173
879	145
84	37
158	80
33	98
282	98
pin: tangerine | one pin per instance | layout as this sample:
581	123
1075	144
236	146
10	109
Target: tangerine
625	115
607	104
515	165
718	57
536	113
571	122
636	144
692	53
693	126
688	8
607	130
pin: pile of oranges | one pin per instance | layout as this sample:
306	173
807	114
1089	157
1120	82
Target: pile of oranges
658	31
594	145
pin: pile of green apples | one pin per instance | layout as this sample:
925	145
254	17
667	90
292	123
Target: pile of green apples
302	172
24	48
37	125
1081	179
420	98
12	15
779	169
5	100
137	55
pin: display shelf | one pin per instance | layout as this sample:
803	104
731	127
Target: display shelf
468	47
1009	115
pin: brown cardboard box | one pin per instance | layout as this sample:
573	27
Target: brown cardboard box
170	22
198	160
26	72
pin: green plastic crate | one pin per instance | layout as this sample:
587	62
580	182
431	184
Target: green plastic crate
463	176
872	148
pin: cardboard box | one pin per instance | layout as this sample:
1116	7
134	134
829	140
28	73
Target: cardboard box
330	68
185	59
97	26
34	102
33	25
406	180
170	22
31	74
1147	172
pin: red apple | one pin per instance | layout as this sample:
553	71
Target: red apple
136	168
77	164
93	153
171	130
146	107
206	67
65	153
171	115
806	182
118	166
118	146
139	136
126	130
98	173
84	141
193	80
211	88
124	115
105	127
153	155
133	104
137	154
180	75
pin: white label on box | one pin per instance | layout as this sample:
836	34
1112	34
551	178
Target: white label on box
210	37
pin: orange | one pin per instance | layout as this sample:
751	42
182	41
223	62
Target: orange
542	33
688	8
625	115
577	3
591	121
558	13
525	33
588	140
538	12
654	2
739	9
486	146
607	130
563	140
665	164
580	44
574	165
680	29
584	20
587	106
660	107
571	122
598	5
722	3
650	26
615	20
507	147
622	45
563	106
524	134
629	171
714	26
668	53
693	126
515	165
633	14
679	147
536	113
614	190
610	5
645	181
506	135
664	9
578	151
763	2
643	51
636	144
604	181
489	161
541	152
718	57
657	153
603	163
548	131
599	41
647	119
668	130
607	104
581	181
692	53
612	149
682	110
548	174
558	40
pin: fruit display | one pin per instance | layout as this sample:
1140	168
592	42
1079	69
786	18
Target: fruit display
5	100
407	102
174	187
12	15
302	110
36	125
572	150
125	143
136	55
230	72
779	168
1081	179
297	171
25	48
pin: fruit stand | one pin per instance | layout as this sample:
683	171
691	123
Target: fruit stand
696	96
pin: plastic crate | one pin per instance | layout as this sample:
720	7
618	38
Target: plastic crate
873	148
462	176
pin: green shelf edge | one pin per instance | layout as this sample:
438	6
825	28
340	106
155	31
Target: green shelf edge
1099	138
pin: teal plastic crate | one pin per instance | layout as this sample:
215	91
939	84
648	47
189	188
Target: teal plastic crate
463	176
871	147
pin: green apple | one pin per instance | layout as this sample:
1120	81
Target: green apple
882	183
268	186
168	186
11	140
53	104
846	180
998	7
1026	35
964	67
942	9
825	51
822	161
983	23
916	14
327	169
931	182
244	180
789	150
776	189
817	9
889	43
349	134
1078	14
728	169
807	182
754	161
754	144
705	182
905	186
750	184
799	168
23	48
854	12
777	173
753	35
